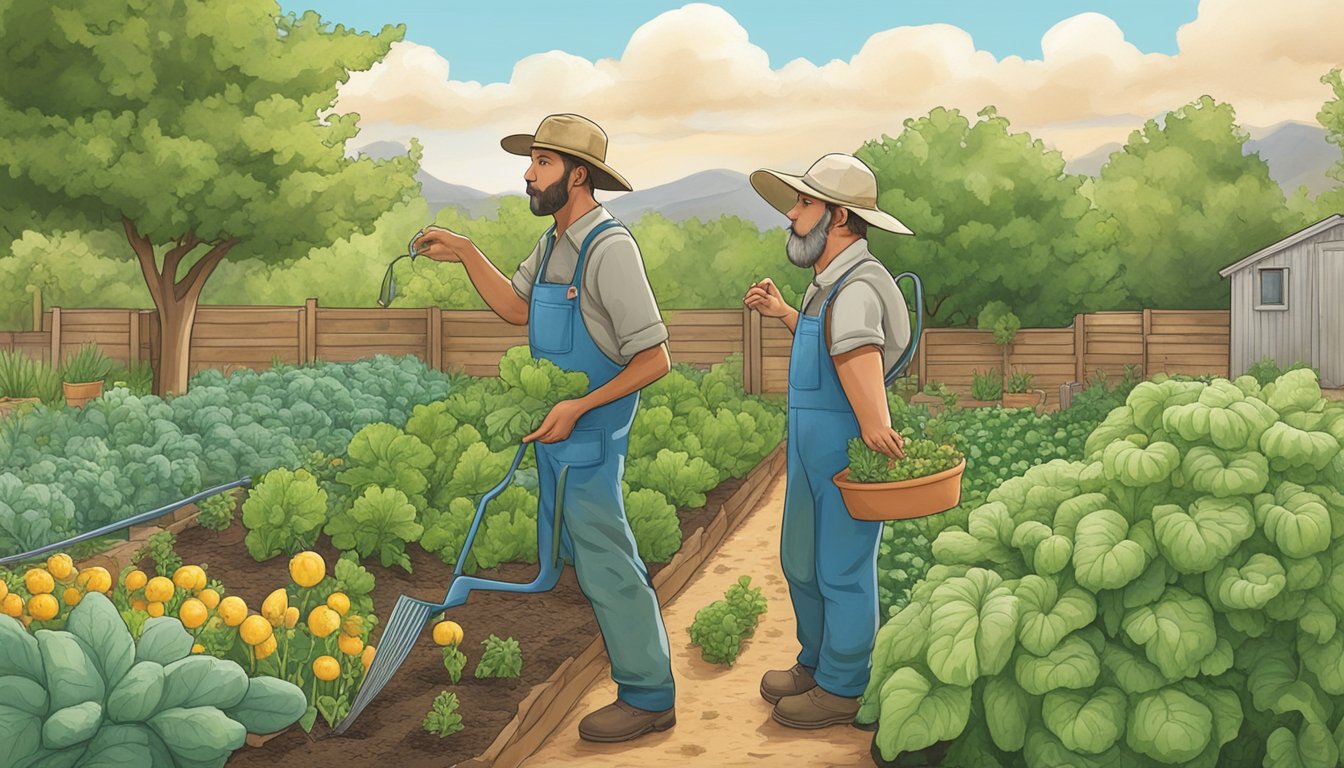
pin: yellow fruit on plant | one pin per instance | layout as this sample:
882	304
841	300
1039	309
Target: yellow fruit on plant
189	577
326	668
136	580
95	579
43	607
192	613
448	633
350	646
367	657
233	610
353	626
198	648
255	630
61	566
339	603
72	596
155	609
139	604
291	617
323	621
38	581
159	590
210	598
275	606
266	648
307	568
12	605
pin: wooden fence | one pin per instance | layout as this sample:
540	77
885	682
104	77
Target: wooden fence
229	337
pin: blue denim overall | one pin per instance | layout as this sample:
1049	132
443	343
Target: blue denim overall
829	558
594	532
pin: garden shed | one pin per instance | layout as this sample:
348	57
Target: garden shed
1288	302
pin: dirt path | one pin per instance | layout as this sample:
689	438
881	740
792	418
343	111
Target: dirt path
721	718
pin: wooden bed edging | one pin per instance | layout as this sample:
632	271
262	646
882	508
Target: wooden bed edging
546	706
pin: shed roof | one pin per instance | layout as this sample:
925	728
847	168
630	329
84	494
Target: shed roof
1296	237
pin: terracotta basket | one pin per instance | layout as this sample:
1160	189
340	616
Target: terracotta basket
1032	398
902	500
78	394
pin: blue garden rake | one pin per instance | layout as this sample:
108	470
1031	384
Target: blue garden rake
410	615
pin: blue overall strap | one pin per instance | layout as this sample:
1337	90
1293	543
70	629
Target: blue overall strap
826	304
601	227
546	254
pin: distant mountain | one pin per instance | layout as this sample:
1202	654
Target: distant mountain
706	195
1297	153
437	192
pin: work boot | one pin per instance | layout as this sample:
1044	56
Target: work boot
815	709
620	721
778	683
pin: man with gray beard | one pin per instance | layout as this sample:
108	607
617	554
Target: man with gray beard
852	330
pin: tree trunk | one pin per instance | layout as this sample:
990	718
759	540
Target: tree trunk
176	300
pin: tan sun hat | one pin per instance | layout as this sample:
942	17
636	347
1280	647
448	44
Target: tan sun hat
574	135
836	178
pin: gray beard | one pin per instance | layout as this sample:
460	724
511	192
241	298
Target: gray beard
804	251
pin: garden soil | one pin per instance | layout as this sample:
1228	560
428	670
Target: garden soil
550	628
722	720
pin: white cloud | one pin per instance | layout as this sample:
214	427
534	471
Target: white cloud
691	91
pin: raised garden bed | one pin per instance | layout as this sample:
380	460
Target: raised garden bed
562	650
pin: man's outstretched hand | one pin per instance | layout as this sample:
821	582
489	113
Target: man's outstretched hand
441	244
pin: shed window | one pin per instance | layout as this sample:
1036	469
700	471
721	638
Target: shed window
1273	288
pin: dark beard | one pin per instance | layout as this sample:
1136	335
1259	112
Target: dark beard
545	202
804	251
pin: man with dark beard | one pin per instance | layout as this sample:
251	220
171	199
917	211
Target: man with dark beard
587	304
853	328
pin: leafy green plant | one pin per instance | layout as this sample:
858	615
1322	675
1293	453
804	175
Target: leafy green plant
443	719
998	318
89	364
283	513
720	627
1165	598
383	455
987	385
501	658
161	548
1019	381
1267	370
216	512
22	376
381	522
454	660
941	391
654	523
91	694
139	378
922	458
680	478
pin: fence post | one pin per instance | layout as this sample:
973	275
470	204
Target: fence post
1079	347
37	309
1147	329
435	338
55	337
310	330
133	338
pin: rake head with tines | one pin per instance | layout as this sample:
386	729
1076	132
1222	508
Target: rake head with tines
410	615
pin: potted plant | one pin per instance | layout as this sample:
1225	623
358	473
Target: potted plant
82	374
1019	393
986	389
936	396
927	481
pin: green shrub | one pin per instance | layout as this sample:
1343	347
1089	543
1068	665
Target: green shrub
216	512
720	627
283	514
987	385
1019	381
22	376
1267	369
89	364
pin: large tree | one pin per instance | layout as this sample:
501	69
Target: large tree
202	130
1331	117
995	217
1187	201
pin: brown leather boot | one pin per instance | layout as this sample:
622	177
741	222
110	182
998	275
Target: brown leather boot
816	708
620	721
778	683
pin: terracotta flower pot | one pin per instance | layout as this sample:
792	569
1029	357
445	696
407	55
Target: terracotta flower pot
904	499
1032	398
969	403
77	395
935	404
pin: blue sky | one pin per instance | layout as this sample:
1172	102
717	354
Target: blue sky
483	40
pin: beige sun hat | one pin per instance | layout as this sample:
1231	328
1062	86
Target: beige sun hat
574	135
836	178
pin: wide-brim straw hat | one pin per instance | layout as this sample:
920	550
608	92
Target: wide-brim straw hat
836	178
573	135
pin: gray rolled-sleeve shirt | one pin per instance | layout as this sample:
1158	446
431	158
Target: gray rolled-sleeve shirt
868	310
616	300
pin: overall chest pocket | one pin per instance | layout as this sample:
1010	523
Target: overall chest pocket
804	359
550	326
